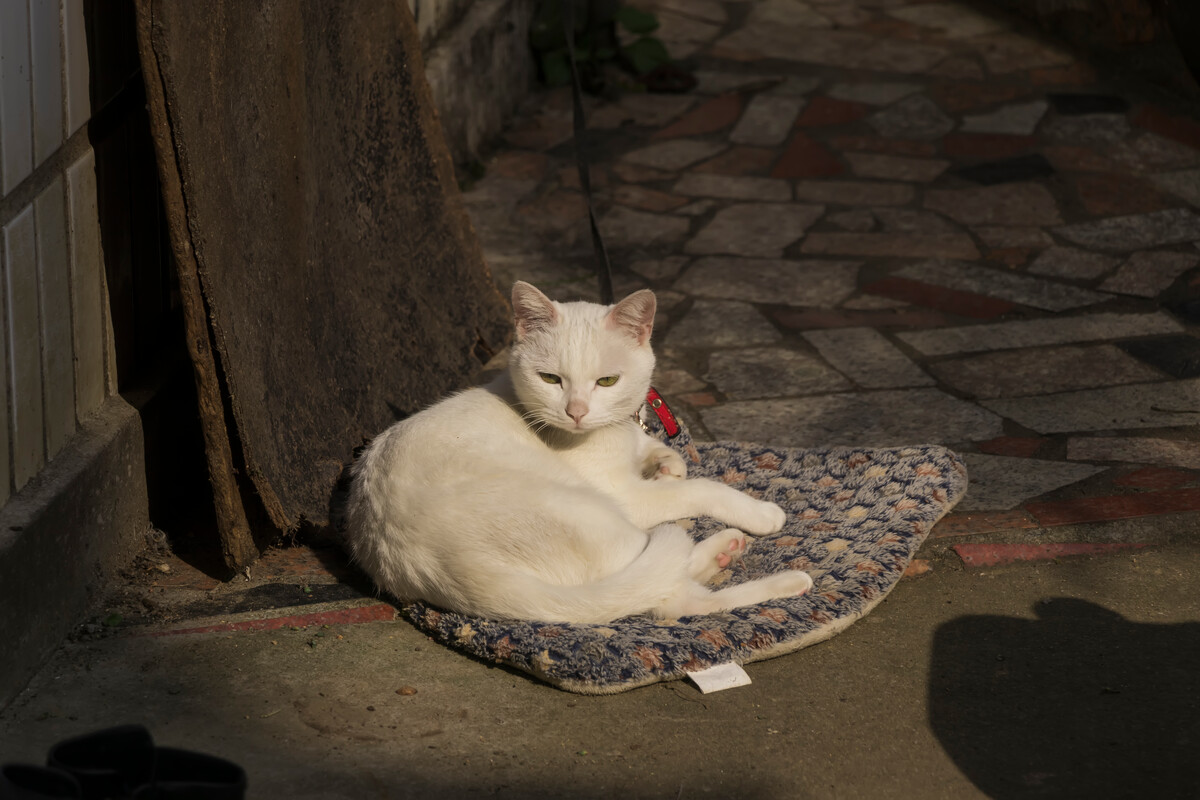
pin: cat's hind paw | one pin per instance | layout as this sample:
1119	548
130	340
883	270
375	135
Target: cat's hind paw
716	553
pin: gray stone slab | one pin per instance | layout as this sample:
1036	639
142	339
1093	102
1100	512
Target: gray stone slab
854	193
1150	153
1184	184
625	227
682	34
953	20
786	14
1087	129
1148	273
914	220
707	10
801	282
1027	291
767	120
914	117
771	372
1146	405
892	245
965	67
733	187
873	302
1001	483
873	93
719	82
836	48
659	268
795	86
674	154
890	418
1009	236
674	380
1135	450
1037	332
1071	262
1014	52
1136	231
896	168
716	323
866	357
754	229
649	110
1025	372
1019	119
696	209
1027	204
859	220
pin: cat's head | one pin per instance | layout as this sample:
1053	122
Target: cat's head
581	366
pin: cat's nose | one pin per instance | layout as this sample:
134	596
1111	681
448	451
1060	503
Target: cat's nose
577	410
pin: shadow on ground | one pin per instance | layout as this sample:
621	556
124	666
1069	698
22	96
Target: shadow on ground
1080	702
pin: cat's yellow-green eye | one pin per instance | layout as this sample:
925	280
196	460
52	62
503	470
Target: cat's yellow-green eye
609	381
548	378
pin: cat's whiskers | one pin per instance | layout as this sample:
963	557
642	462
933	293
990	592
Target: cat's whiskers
536	420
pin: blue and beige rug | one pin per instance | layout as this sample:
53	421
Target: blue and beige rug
855	519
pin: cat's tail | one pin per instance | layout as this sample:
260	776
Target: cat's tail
657	575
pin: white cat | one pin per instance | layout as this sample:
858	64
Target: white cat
539	496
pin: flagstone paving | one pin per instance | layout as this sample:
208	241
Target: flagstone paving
1002	483
885	222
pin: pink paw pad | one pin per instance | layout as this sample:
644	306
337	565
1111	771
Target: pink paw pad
735	547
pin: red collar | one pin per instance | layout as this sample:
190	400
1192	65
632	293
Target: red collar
659	407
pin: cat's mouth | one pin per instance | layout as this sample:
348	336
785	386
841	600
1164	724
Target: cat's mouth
577	427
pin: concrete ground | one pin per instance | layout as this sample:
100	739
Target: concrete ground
873	222
1071	679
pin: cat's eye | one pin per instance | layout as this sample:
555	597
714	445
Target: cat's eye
549	378
609	381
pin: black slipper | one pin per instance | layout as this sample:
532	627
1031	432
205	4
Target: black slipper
184	775
108	763
123	762
25	782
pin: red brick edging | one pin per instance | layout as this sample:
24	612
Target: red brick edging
990	555
380	612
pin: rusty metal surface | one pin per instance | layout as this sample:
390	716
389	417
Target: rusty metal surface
342	278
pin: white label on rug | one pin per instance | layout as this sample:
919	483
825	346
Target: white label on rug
722	676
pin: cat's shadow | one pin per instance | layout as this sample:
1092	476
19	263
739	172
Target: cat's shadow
1080	702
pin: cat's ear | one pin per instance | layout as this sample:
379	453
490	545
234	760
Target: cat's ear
635	315
532	309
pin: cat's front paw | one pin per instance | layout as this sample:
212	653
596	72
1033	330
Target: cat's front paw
664	463
762	518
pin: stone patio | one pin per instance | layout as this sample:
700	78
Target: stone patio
874	223
883	223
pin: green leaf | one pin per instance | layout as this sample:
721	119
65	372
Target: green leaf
635	21
112	620
556	71
645	54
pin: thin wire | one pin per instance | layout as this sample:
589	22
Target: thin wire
603	266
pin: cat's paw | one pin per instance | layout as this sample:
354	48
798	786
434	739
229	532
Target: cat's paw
761	518
788	584
663	463
716	553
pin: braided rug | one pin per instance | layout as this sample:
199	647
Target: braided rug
855	517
